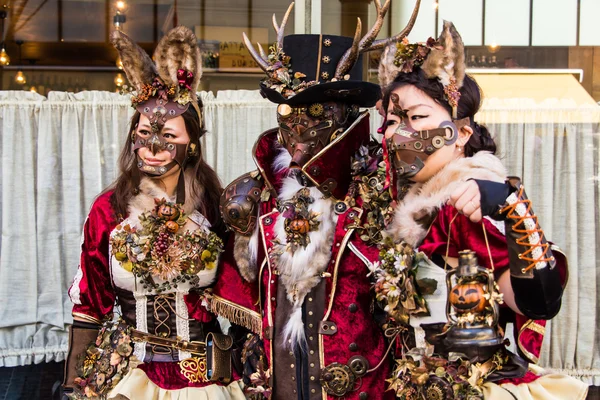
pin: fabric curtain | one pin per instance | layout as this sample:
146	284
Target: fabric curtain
59	152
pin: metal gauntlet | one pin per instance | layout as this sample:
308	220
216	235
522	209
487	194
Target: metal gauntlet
534	277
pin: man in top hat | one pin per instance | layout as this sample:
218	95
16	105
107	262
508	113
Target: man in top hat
300	254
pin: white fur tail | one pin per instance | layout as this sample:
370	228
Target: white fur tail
293	332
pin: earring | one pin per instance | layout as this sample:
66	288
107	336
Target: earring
459	149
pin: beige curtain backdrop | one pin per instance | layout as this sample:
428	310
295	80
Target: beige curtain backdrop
59	152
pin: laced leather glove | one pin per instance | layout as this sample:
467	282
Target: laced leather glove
533	274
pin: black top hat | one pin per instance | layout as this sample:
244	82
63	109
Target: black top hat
317	57
315	68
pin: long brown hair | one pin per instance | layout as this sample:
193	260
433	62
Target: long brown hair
205	189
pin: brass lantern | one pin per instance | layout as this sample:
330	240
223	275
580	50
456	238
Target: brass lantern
472	310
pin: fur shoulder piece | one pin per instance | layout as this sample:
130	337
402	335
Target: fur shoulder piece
149	190
426	199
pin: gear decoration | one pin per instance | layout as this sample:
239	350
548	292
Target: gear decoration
316	110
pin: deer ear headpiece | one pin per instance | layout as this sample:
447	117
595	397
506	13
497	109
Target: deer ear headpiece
443	59
164	88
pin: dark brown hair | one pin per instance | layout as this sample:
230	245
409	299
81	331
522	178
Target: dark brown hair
468	105
206	184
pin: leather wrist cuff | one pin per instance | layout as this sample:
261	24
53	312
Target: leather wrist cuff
81	335
534	277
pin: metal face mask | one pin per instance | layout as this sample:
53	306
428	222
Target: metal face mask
158	112
408	149
305	130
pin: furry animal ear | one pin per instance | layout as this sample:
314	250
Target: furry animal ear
178	49
137	64
387	69
447	60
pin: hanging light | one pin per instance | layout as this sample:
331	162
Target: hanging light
119	81
33	89
20	78
4	58
119	18
119	63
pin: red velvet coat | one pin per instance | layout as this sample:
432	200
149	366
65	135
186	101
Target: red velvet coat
348	300
93	291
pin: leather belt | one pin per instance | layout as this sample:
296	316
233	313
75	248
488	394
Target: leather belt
196	348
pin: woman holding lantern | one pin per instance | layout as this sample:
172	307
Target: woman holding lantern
452	194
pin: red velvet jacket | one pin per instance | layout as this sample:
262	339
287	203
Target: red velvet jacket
94	297
348	297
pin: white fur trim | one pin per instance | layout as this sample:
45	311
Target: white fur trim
293	332
282	161
426	198
300	271
253	244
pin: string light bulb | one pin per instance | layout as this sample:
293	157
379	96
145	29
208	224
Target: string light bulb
435	5
120	5
20	78
119	63
4	58
33	89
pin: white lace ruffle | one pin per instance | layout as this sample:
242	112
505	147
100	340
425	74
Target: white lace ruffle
182	323
141	321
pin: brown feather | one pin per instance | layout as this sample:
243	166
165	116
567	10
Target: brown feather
450	60
137	64
178	49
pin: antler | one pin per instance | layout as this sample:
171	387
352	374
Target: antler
368	42
260	60
280	29
381	43
260	56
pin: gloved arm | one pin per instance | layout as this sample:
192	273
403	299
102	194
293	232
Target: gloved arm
81	335
535	279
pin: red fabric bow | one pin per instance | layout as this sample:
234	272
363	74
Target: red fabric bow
185	78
